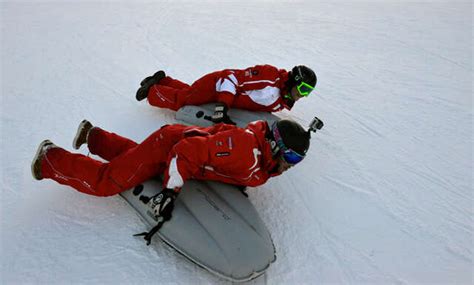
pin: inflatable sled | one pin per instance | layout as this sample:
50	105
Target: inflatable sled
214	224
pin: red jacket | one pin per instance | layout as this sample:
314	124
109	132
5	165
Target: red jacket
223	153
257	88
226	153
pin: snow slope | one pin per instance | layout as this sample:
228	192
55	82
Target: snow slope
384	196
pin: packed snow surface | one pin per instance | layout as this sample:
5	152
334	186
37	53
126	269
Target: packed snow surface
384	196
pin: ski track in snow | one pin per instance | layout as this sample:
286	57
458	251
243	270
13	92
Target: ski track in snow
384	196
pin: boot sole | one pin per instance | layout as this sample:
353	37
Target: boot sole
145	85
78	133
39	152
161	74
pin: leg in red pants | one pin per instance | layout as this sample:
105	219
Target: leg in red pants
130	163
174	94
173	83
108	145
167	92
166	97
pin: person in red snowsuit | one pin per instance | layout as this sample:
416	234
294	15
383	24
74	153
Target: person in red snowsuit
259	88
226	153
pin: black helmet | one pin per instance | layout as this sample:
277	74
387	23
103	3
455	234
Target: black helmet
291	140
301	73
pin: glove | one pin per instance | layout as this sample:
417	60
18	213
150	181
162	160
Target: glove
288	102
163	204
243	190
220	115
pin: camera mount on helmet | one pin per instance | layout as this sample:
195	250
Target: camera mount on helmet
316	124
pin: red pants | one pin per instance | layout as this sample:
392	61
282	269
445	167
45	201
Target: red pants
173	94
129	163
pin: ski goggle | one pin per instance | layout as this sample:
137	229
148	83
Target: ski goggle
304	89
289	155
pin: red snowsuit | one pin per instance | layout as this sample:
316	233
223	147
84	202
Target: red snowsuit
257	88
222	152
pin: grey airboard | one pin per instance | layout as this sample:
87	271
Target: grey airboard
214	224
199	115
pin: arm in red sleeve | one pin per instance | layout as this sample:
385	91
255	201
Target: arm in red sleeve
226	88
186	158
226	98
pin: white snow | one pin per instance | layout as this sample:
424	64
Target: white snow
385	195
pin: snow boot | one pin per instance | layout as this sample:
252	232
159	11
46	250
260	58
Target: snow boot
146	83
82	134
36	164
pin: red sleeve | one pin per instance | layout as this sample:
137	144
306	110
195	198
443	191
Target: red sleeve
226	98
258	178
232	156
186	158
261	76
226	87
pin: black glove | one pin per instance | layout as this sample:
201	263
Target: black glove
220	115
243	190
288	102
163	204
